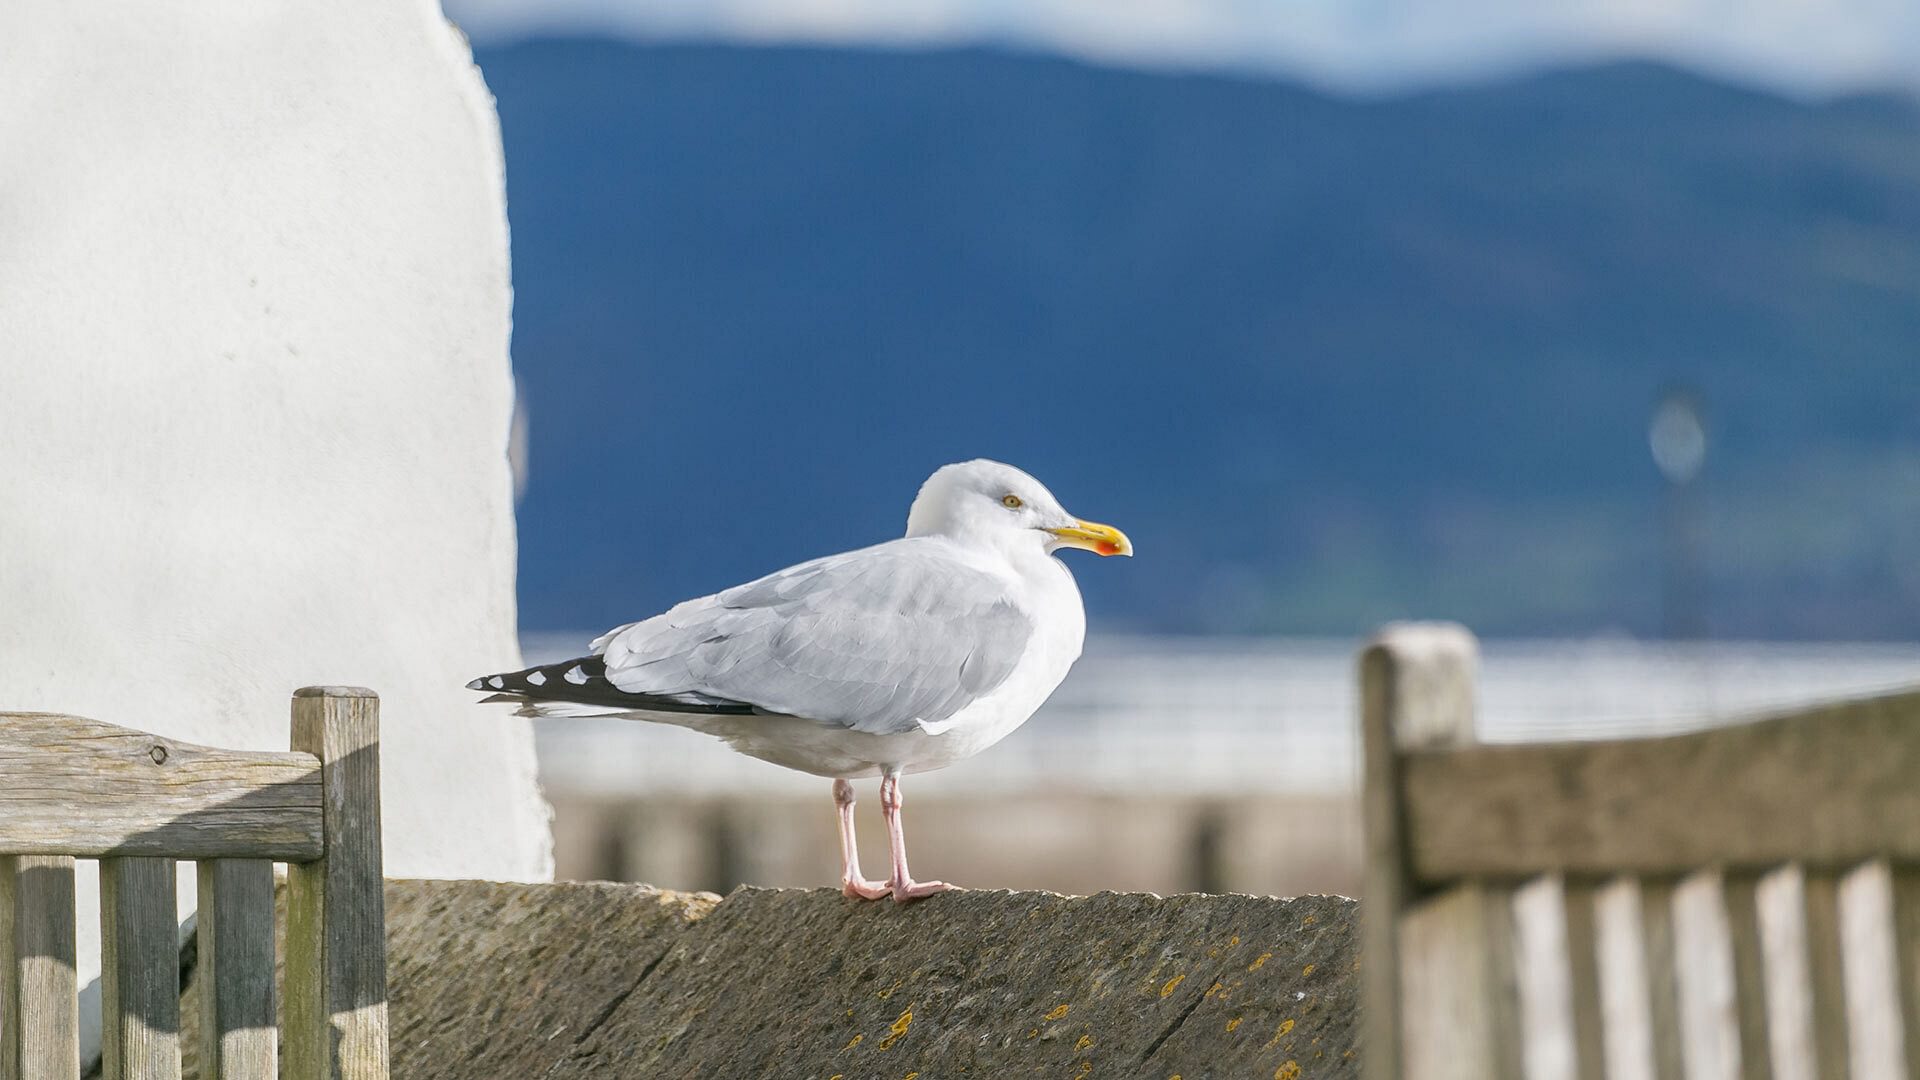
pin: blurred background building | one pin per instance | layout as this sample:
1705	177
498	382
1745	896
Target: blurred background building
1346	311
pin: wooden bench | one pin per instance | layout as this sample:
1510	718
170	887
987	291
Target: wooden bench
72	787
1734	904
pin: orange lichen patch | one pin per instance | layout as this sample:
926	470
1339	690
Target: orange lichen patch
1085	1068
898	1028
1216	988
1308	921
1034	1034
1234	941
1085	1041
1172	985
1287	1071
853	1042
1306	971
1057	1012
1279	1033
1233	1023
911	1075
1264	957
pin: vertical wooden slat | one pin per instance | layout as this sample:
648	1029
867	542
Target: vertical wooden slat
1741	892
1868	961
1583	980
1416	689
1906	938
10	1022
42	1023
1460	1015
1627	1028
336	985
1663	989
1709	1019
234	972
1781	900
139	970
1543	975
1827	976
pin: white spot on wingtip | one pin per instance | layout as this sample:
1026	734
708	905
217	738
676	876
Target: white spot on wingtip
535	678
477	684
497	683
576	676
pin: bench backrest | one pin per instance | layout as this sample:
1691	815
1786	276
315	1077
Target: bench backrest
71	788
1722	905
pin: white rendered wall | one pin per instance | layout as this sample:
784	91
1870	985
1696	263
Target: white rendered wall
255	392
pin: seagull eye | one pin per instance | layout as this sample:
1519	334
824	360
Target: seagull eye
1011	502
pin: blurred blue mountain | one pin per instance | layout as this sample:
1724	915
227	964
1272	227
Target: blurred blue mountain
1329	361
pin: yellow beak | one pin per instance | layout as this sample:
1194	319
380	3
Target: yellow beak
1092	536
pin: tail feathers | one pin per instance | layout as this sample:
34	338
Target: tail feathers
583	681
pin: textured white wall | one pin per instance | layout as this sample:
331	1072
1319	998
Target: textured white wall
255	392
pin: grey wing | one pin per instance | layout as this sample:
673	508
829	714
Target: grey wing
884	640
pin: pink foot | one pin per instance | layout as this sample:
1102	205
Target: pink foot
862	889
904	891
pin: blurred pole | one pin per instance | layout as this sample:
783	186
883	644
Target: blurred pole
1678	437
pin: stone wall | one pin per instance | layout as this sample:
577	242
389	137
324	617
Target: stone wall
597	980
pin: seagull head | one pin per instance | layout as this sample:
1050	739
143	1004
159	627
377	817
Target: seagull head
983	501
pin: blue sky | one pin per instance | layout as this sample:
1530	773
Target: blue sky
1811	47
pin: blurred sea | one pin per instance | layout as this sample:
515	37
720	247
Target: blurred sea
1236	716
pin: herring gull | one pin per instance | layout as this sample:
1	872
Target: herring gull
898	658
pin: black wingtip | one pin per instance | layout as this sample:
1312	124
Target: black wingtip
583	681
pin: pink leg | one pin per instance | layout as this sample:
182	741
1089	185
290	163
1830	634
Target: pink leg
904	887
852	882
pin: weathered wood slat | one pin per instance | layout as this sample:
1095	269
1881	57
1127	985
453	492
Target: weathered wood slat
1780	898
139	970
1543	978
1868	961
1709	1019
1663	987
1583	979
1642	806
74	786
1460	1016
1906	936
41	1028
1417	689
1826	976
1625	1001
234	972
336	993
1741	893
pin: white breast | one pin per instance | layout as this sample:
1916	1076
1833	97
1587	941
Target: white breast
1060	629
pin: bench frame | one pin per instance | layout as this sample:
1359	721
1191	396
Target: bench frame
1741	903
74	787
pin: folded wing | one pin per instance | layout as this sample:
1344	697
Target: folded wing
881	640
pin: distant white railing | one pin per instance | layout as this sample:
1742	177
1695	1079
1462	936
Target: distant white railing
1230	716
